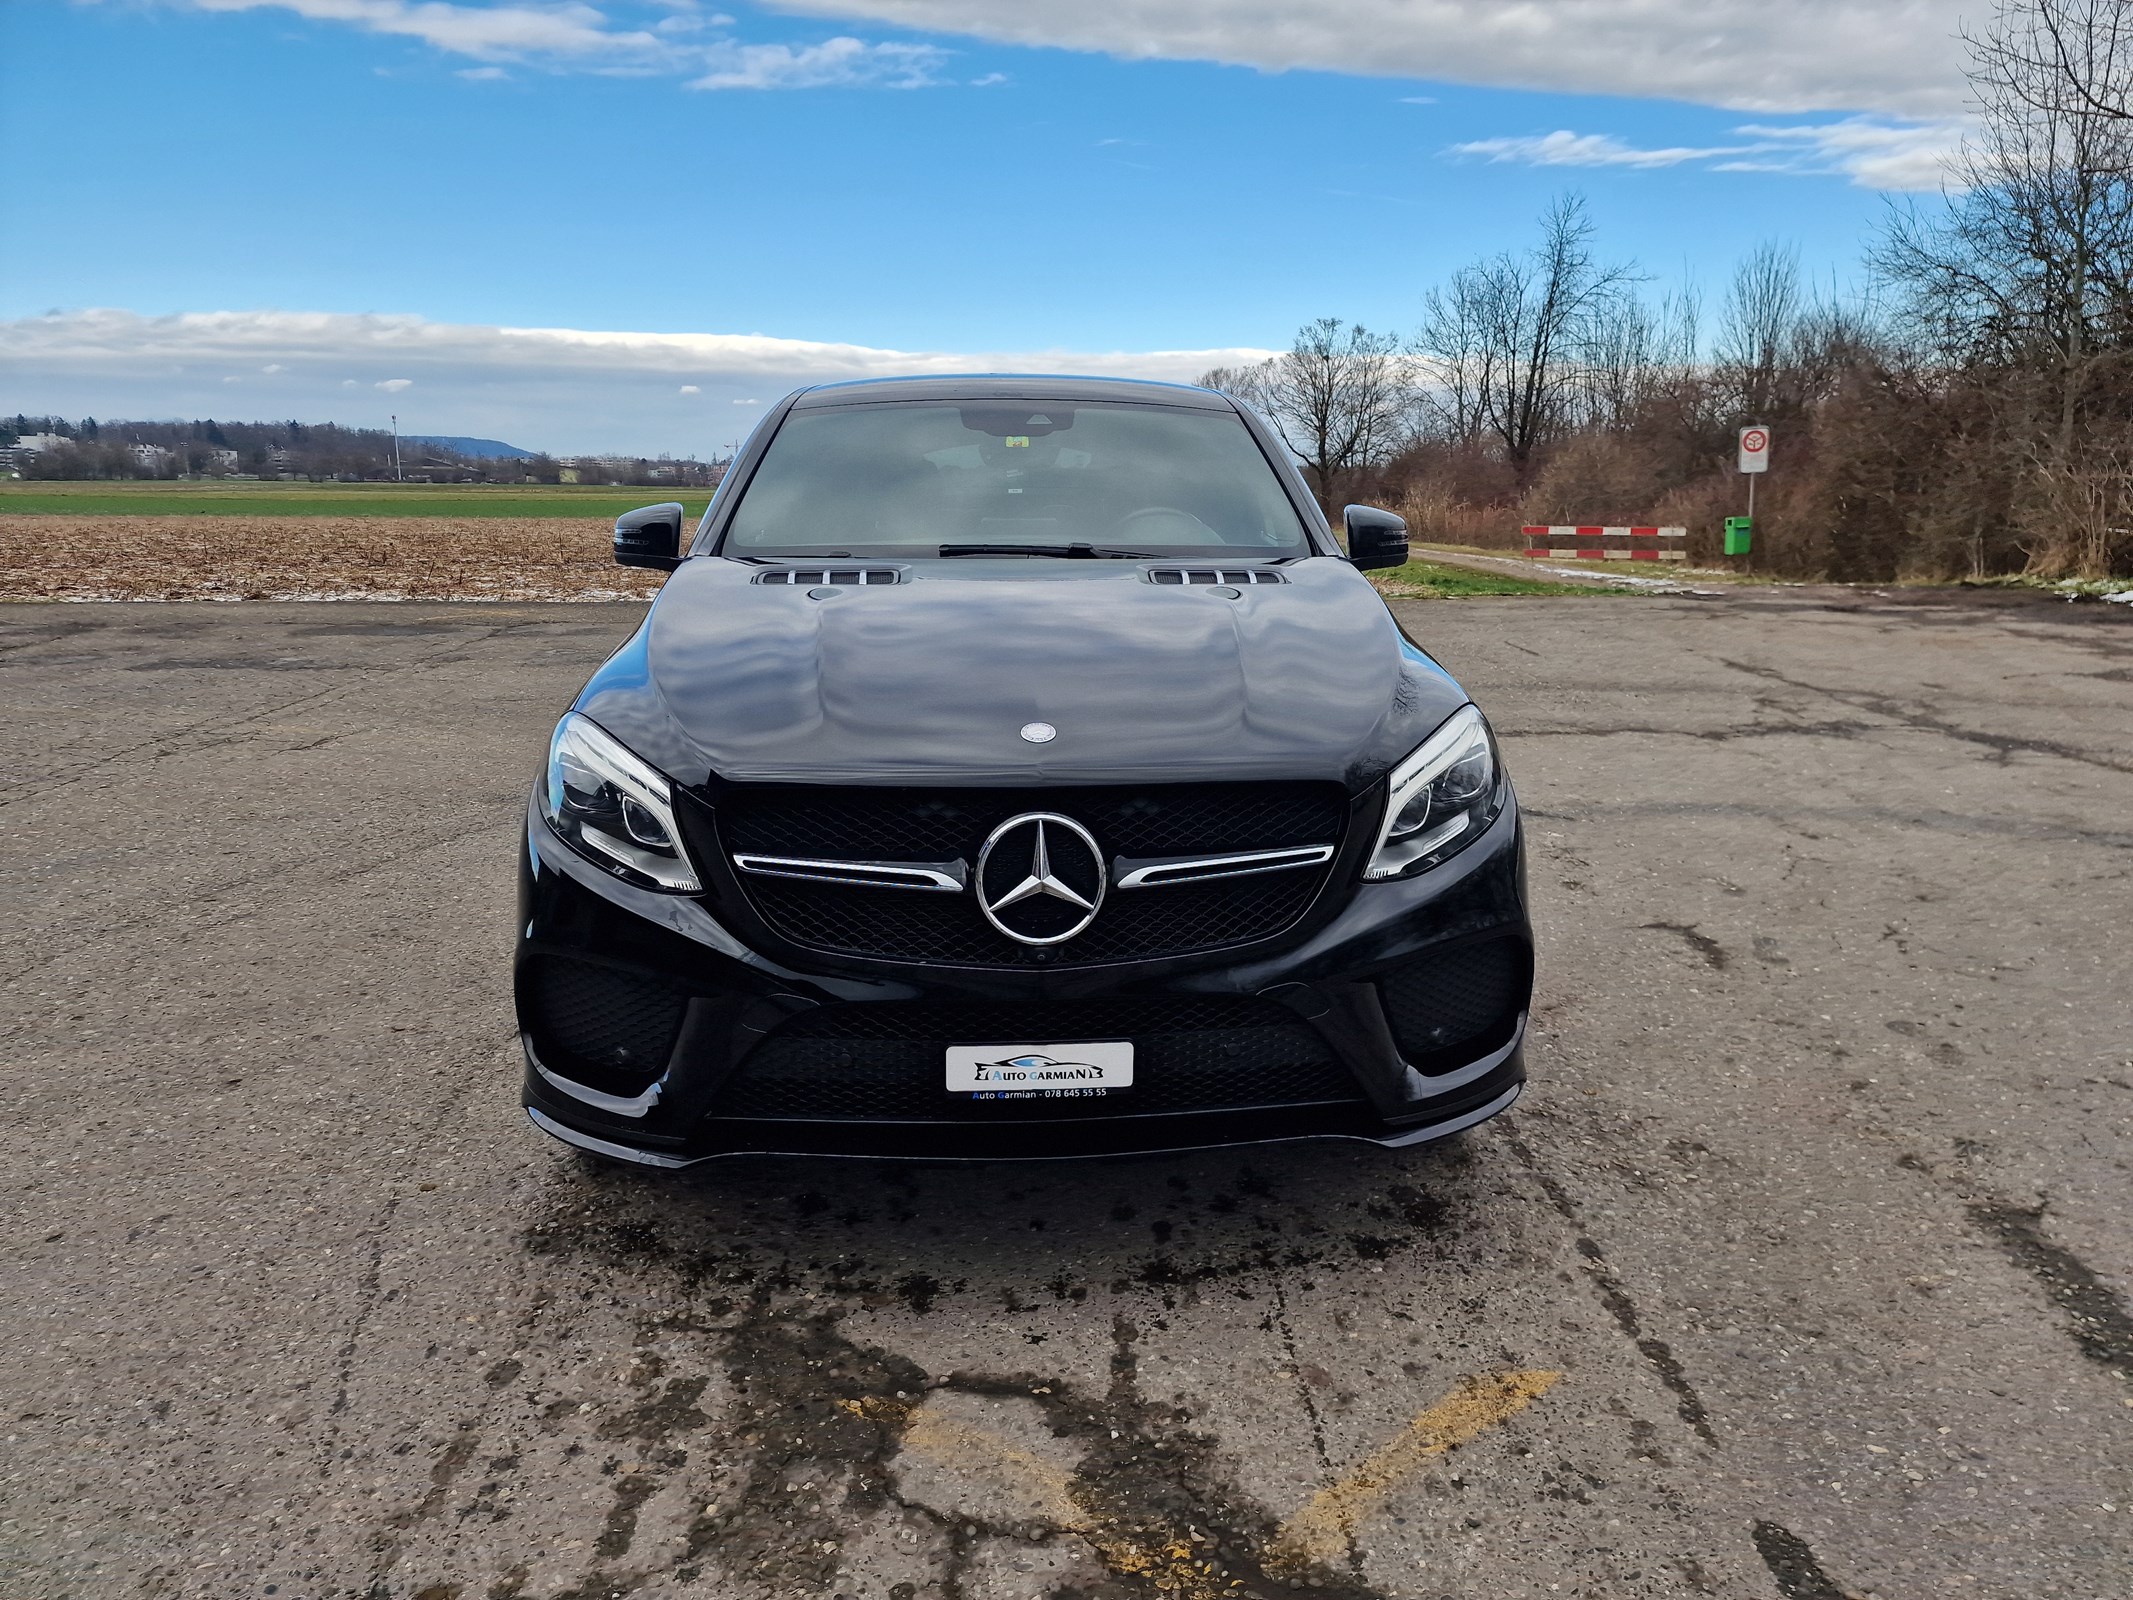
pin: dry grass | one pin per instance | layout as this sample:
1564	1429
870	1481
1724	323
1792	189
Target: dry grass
312	558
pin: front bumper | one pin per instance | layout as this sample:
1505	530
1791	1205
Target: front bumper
1398	1019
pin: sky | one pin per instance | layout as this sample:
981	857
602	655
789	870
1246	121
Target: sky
629	225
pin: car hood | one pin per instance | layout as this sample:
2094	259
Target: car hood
932	679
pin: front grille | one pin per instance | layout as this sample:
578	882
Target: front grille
933	825
1450	1007
888	1060
601	1026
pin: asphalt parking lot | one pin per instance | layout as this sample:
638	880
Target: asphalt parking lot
1801	1271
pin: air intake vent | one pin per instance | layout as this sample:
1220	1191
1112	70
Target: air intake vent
811	577
1240	576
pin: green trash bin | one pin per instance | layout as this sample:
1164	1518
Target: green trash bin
1738	530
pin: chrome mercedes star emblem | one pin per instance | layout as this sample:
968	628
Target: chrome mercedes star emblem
1040	878
1039	732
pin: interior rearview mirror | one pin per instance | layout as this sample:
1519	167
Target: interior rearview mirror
1375	538
650	536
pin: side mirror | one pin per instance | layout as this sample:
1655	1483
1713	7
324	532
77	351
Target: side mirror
650	537
1375	538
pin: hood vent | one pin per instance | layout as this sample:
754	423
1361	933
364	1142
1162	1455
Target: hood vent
1241	576
809	577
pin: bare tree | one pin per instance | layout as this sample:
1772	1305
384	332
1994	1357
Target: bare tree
2029	273
1507	340
1339	398
1758	325
2079	49
1780	347
1636	353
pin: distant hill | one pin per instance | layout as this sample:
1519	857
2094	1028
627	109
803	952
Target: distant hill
478	449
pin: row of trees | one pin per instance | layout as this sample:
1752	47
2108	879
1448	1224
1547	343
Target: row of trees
1969	413
318	451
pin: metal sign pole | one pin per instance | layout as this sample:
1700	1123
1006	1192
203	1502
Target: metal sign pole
1753	461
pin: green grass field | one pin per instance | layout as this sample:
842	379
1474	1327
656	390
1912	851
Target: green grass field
1431	580
226	499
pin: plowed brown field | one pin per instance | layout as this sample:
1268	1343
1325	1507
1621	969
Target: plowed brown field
312	558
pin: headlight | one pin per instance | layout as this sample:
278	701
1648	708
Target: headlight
1442	797
614	808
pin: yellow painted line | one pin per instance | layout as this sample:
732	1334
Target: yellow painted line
1319	1533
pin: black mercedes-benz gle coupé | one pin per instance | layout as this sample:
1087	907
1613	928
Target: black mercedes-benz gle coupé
1017	767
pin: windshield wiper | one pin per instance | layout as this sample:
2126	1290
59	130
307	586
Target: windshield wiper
1066	552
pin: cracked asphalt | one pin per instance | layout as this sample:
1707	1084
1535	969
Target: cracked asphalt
1800	1272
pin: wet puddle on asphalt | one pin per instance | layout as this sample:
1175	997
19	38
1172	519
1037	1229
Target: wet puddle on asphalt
1228	1375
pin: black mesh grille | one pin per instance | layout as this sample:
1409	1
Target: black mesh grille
1133	926
888	1061
610	1029
951	824
1446	1005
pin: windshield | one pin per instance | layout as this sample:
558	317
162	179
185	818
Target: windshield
920	478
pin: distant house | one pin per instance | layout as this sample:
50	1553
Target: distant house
224	459
152	457
37	443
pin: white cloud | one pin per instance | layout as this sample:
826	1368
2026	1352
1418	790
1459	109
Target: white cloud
568	35
482	74
691	388
562	389
488	32
1876	155
835	63
1566	149
1897	57
271	367
1873	154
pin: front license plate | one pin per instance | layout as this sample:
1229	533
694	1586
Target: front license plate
1039	1071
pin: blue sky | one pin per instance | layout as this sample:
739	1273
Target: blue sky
1005	179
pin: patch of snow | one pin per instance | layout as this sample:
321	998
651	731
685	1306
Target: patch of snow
1623	580
2124	597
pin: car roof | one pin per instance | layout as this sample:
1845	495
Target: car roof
1010	386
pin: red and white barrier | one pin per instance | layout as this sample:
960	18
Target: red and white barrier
1558	543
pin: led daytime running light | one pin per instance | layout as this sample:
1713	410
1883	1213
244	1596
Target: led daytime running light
1445	794
605	801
